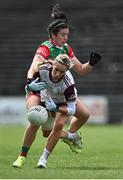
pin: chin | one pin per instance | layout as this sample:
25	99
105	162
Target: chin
61	45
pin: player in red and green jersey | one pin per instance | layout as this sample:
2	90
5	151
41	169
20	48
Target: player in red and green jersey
58	36
47	50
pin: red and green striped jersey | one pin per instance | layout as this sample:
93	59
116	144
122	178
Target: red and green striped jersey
48	51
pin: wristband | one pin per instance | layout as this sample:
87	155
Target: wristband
70	111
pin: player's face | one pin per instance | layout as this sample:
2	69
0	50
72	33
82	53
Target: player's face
58	71
61	38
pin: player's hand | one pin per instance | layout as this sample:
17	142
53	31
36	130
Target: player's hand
49	103
51	106
36	86
94	58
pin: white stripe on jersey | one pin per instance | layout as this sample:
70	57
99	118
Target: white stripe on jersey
49	44
67	80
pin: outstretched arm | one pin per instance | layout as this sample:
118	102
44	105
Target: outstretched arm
85	68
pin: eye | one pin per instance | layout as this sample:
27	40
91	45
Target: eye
63	34
58	70
62	72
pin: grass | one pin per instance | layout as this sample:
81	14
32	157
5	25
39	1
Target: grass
101	158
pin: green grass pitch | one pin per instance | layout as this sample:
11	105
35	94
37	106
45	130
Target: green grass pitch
101	157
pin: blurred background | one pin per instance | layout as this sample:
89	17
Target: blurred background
96	26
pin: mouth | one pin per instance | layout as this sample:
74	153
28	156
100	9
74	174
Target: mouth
57	78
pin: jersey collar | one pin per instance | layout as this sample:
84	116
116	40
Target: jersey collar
54	44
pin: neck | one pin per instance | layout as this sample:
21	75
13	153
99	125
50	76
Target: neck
54	43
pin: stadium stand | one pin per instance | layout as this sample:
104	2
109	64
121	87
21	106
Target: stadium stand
96	26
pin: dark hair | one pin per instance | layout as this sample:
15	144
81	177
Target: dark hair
60	20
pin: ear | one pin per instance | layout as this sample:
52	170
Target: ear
54	34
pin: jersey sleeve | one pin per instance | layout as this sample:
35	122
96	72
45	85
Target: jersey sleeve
43	51
70	93
72	55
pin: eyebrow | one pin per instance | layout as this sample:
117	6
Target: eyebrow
59	70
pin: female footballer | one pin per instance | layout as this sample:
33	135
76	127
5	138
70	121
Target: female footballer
57	44
62	94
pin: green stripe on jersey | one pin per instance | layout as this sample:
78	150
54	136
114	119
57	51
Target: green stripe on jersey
54	50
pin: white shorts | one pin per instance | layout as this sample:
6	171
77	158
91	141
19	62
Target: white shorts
48	125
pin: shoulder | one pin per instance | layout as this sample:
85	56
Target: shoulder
47	44
69	76
68	79
69	49
43	50
71	54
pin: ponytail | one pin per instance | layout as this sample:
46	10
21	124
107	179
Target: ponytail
60	20
57	14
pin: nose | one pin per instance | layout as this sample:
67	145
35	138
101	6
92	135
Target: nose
66	38
58	75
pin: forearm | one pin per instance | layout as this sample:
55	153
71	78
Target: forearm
30	73
34	66
85	68
63	109
69	110
82	69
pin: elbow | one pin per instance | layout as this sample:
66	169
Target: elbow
79	70
80	73
83	69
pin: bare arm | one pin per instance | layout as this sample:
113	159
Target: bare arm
82	69
33	68
85	68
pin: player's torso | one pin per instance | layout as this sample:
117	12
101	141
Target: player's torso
54	50
56	90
